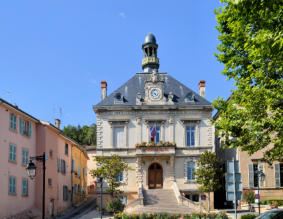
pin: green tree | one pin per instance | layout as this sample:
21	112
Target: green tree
249	197
251	41
208	173
108	169
85	135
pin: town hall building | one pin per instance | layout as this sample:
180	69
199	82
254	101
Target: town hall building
153	101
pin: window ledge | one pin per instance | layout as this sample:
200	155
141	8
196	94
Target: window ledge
12	194
13	162
14	131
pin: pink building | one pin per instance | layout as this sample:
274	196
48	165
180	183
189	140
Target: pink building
22	136
58	169
17	141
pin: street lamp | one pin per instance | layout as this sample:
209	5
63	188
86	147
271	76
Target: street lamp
260	176
99	182
31	171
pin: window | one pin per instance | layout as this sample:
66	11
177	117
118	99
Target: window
73	165
253	175
255	166
24	157
76	189
79	171
66	149
190	171
190	135
118	138
49	181
155	132
50	153
279	175
119	177
61	165
65	193
24	186
193	197
25	127
12	153
13	121
12	185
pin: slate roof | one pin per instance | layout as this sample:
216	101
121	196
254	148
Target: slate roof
136	84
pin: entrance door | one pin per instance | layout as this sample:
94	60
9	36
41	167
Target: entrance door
155	176
51	207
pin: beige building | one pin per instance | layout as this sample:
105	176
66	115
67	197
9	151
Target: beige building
271	185
160	127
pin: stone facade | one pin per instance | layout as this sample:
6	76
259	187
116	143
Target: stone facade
126	117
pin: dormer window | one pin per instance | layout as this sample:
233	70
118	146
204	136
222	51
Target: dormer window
190	97
119	98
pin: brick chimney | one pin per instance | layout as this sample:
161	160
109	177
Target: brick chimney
201	87
57	123
103	89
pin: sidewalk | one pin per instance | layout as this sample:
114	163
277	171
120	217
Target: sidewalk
95	215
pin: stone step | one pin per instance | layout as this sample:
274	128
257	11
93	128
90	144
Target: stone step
159	197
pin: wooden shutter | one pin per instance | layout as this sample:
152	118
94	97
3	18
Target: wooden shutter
29	129
251	175
21	126
277	175
58	164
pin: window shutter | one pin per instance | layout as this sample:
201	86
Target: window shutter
10	185
277	175
21	126
29	129
64	193
251	175
11	121
11	152
14	153
58	164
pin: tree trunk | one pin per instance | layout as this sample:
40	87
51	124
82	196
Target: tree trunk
208	202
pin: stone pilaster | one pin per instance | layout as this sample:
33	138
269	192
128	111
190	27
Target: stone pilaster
139	171
172	169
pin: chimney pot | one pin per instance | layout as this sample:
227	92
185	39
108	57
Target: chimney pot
201	86
57	123
103	89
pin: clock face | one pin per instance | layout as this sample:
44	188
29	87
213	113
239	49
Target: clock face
155	93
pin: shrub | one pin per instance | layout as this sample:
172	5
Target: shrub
248	216
115	205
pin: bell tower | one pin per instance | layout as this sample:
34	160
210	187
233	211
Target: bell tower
150	60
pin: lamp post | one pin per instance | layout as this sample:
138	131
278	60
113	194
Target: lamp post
99	182
31	171
260	176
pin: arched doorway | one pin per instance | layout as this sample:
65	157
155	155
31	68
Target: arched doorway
155	176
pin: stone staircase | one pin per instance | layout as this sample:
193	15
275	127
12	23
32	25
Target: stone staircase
159	200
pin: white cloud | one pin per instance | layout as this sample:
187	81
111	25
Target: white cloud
122	15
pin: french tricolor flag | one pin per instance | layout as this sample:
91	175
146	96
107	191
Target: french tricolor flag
153	132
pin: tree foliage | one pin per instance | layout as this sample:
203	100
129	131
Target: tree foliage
251	49
108	169
85	135
209	173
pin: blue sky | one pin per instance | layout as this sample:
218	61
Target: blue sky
53	54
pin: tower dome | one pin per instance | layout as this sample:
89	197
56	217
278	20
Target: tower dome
149	38
150	60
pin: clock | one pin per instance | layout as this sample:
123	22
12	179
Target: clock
155	93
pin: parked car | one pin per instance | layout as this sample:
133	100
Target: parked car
273	214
